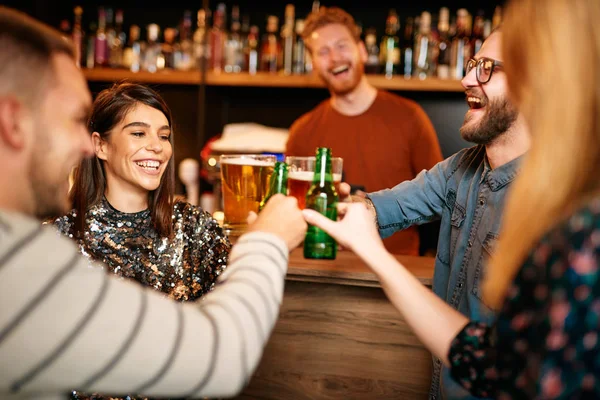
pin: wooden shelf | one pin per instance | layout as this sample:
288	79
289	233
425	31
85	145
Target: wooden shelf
263	79
171	77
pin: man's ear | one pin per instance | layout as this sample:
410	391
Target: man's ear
99	146
13	122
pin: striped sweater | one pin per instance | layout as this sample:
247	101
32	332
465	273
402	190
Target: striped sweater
65	325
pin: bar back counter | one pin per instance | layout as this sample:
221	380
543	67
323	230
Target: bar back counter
338	336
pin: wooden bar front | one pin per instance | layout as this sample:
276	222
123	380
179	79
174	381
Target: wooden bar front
338	337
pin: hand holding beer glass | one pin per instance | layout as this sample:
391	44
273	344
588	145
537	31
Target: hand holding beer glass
245	181
300	176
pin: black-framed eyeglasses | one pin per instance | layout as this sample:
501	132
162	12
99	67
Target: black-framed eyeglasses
485	67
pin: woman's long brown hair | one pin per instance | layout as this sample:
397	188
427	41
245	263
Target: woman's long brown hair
89	186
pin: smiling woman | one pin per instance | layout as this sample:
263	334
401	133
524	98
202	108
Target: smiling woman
122	199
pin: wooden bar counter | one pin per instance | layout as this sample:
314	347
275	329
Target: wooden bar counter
338	337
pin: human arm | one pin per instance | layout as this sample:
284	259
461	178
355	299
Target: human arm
411	202
64	325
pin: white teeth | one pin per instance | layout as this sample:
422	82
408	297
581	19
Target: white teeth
148	164
339	69
474	99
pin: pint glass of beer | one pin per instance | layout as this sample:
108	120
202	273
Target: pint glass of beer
300	176
245	181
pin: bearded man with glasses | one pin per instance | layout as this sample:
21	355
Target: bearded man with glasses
466	192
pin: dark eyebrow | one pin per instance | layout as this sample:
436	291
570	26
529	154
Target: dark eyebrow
162	128
140	124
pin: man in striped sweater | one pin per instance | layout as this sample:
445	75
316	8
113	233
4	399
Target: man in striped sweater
64	325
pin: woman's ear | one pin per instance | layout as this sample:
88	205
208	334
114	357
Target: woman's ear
99	146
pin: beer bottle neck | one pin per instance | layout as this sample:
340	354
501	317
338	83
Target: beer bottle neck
323	175
279	181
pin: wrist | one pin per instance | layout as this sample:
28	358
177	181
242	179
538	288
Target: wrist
372	210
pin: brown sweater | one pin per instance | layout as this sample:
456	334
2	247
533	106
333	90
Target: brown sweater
389	143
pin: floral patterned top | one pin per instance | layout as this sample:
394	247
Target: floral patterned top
545	343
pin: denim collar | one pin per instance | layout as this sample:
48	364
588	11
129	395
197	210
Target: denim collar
501	176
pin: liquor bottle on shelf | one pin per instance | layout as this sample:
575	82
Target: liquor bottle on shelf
389	51
201	51
117	42
100	43
234	57
251	50
407	48
460	46
487	28
183	50
90	46
168	48
444	44
497	18
65	29
372	63
299	49
78	36
288	39
477	36
270	47
111	33
217	39
316	5
424	52
132	54
153	59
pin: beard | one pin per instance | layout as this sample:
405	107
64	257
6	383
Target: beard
497	120
356	71
49	191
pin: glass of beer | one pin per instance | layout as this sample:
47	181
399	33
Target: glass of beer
245	181
300	176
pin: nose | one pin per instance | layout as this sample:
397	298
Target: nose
470	80
336	56
154	144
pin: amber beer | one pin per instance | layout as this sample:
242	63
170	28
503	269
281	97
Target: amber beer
245	181
299	182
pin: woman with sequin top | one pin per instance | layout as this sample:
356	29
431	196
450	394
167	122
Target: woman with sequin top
123	209
544	276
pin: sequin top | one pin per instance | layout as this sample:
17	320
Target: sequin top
184	267
545	344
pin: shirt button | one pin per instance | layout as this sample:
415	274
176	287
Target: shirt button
481	202
470	243
460	285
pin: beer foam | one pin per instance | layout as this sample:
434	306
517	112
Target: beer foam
248	161
308	176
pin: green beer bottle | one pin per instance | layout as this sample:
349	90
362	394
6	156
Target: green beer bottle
277	183
323	198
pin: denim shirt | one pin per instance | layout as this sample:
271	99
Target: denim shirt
468	196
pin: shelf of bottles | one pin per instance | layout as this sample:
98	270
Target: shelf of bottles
263	79
420	58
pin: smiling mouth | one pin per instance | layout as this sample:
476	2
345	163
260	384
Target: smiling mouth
475	103
148	165
340	70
